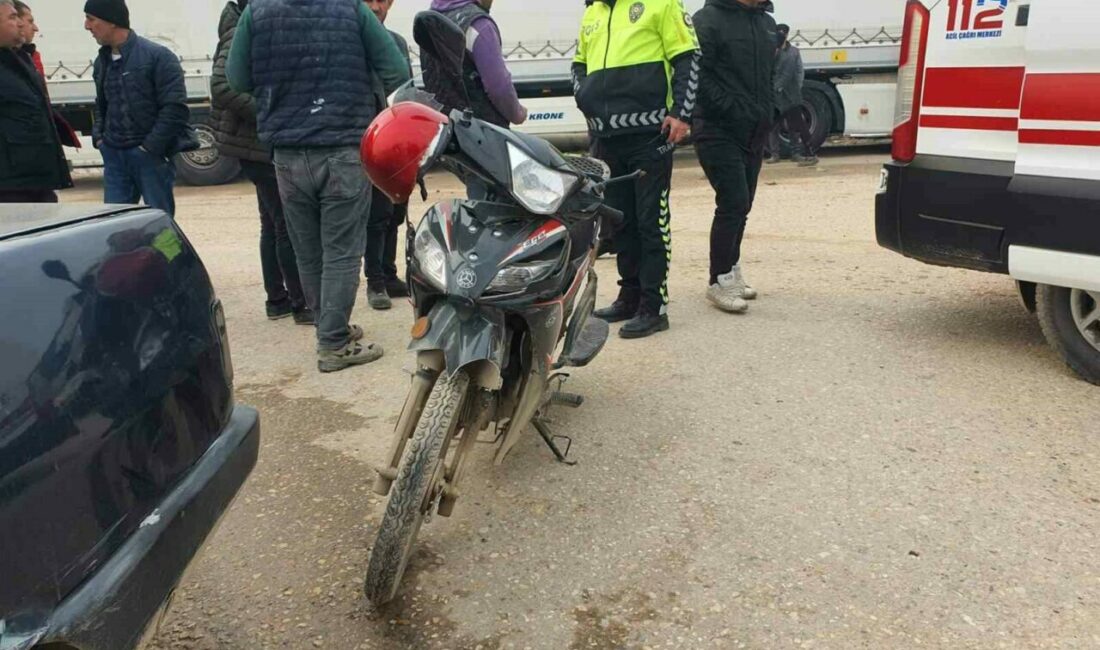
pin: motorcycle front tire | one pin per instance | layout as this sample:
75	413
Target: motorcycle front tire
420	470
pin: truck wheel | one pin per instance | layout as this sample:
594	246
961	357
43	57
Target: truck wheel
1070	319
819	116
413	494
205	165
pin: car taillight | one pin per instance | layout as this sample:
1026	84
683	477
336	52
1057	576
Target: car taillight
223	337
914	46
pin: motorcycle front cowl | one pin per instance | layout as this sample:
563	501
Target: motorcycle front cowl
470	337
461	247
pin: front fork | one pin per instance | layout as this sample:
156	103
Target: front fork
429	367
478	410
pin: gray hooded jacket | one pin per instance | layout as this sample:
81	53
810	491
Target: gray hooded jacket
789	75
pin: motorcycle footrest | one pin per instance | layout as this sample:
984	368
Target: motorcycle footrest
588	344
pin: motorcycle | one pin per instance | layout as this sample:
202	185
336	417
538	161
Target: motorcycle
503	288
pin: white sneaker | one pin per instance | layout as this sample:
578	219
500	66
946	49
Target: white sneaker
726	295
747	292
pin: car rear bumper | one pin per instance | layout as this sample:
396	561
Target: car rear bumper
112	610
970	213
948	213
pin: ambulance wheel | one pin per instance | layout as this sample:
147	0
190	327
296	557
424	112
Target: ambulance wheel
1070	319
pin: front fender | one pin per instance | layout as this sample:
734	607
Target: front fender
466	335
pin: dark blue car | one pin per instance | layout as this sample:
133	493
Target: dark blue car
120	443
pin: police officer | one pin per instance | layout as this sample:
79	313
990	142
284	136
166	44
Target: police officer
636	78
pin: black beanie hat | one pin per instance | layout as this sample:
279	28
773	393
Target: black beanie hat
113	11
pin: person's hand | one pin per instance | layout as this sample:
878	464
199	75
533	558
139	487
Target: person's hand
676	129
523	116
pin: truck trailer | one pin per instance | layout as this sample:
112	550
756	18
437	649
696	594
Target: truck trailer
850	49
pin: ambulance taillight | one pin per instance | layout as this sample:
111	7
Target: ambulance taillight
914	46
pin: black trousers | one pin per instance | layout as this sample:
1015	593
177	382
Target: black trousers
278	263
794	122
645	240
380	257
731	157
28	196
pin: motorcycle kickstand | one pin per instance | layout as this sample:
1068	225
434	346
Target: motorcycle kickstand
549	438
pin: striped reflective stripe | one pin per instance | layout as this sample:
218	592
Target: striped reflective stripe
692	90
664	222
633	120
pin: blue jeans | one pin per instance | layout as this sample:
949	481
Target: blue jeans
326	198
130	175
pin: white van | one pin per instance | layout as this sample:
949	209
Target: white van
997	155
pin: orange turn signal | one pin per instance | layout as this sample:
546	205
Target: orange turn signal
421	328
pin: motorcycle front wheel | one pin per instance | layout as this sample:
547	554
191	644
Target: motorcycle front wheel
413	493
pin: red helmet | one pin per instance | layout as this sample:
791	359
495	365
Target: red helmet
398	143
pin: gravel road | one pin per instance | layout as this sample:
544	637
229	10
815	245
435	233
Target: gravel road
880	454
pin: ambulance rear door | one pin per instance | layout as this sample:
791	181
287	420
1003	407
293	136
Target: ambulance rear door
1057	174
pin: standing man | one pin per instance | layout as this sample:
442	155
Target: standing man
737	102
636	77
30	30
141	114
233	118
30	51
789	75
380	258
488	84
309	64
32	164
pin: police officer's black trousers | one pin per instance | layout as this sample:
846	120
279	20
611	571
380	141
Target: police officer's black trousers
645	240
732	161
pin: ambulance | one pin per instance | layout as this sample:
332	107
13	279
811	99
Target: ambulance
996	155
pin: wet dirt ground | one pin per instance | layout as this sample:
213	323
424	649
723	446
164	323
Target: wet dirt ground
881	454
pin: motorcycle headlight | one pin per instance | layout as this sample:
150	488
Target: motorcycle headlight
430	257
537	187
517	277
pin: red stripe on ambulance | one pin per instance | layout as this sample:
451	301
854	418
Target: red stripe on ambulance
1061	138
969	122
1074	97
991	88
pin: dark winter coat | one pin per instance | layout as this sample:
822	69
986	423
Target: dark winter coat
233	114
65	130
309	63
738	64
30	150
789	75
155	96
